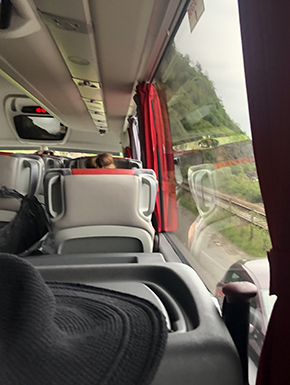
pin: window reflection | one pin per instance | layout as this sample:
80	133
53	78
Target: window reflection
39	128
221	213
222	218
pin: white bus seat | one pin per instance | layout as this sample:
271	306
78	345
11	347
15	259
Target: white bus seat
101	210
51	162
21	172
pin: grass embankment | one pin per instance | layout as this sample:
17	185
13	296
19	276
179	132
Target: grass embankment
249	238
253	241
188	203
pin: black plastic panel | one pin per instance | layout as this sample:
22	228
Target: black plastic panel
203	352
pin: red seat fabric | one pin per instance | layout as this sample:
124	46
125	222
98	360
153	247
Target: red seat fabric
101	171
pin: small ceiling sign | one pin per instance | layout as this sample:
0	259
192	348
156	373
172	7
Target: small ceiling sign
195	10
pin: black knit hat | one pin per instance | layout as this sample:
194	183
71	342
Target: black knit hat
69	334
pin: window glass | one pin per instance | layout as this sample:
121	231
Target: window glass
233	276
268	302
39	128
220	209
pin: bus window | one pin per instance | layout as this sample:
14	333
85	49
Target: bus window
220	209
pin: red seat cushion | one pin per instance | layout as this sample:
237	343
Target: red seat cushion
102	171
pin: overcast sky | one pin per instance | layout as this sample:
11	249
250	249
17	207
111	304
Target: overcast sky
216	43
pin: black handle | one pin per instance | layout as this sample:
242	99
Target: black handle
236	309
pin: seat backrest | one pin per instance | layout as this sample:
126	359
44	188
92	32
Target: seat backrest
51	161
127	163
22	172
101	210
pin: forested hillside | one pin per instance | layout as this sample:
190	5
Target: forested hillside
195	110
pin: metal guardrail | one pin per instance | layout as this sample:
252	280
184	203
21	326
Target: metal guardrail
235	206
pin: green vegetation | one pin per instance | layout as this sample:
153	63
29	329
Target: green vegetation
254	241
185	199
194	108
240	181
184	171
196	113
249	238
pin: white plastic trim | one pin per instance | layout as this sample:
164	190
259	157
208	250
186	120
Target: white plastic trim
24	174
145	211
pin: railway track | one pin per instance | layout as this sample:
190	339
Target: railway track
246	211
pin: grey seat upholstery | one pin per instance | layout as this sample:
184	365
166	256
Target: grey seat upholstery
52	162
127	163
101	210
23	173
124	163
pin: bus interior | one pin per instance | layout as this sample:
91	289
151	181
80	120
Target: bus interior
190	99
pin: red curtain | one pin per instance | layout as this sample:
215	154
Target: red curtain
128	152
266	35
156	156
170	214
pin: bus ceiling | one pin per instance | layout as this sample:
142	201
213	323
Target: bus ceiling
93	66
